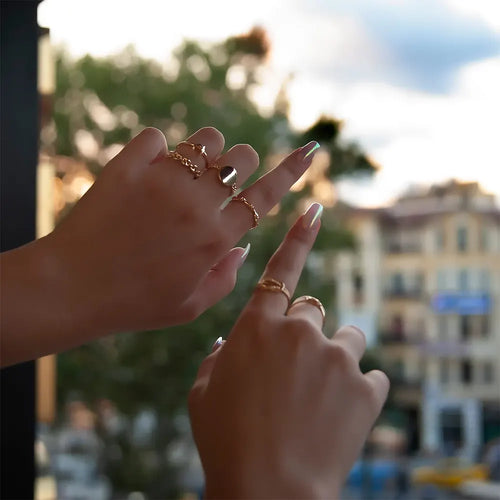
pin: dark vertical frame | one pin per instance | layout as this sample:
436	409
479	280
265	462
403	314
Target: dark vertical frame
18	161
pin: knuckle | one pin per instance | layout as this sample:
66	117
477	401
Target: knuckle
267	192
256	321
301	327
339	356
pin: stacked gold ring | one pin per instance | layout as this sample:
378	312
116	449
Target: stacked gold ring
314	302
272	285
243	200
227	176
186	162
200	148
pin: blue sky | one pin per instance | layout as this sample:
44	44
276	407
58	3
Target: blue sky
415	81
427	40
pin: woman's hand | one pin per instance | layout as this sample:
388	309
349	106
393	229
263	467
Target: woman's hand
148	246
280	411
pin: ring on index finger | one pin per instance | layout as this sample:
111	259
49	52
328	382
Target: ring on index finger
250	206
272	285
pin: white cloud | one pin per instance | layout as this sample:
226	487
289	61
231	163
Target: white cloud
416	137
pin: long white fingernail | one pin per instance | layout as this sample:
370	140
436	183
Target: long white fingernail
312	214
217	344
308	150
244	255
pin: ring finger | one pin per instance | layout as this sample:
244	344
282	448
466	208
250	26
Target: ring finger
202	147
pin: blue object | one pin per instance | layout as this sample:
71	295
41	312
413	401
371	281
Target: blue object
461	303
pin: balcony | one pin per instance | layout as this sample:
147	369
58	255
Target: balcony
392	337
398	248
403	293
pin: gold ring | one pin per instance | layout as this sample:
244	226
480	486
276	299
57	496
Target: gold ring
272	285
227	176
186	162
243	200
202	150
313	301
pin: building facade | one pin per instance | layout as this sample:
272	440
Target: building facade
424	283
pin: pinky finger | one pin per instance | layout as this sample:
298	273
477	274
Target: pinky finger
218	283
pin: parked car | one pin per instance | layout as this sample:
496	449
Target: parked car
449	473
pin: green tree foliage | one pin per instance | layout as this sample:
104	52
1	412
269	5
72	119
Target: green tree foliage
112	99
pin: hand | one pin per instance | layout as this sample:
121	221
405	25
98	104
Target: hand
148	246
281	411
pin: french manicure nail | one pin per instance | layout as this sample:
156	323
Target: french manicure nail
244	255
217	344
312	214
308	150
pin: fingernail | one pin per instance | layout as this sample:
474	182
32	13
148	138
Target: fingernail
217	344
244	255
308	150
312	214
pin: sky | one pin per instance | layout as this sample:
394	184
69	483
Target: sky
416	82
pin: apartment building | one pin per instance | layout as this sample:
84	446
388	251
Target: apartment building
424	284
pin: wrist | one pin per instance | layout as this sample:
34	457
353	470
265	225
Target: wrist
265	485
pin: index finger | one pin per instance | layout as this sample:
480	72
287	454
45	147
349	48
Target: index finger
288	261
268	190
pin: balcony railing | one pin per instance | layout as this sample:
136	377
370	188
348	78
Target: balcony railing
408	338
403	293
399	248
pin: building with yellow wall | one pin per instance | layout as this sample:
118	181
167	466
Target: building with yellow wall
424	283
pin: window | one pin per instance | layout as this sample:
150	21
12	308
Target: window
463	280
483	243
484	328
440	239
358	288
397	283
465	327
443	328
461	239
484	280
488	373
466	372
441	280
444	371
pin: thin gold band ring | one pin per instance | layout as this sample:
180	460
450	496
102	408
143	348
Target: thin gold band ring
186	162
272	285
313	301
200	148
243	200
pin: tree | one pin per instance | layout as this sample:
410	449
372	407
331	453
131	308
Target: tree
99	105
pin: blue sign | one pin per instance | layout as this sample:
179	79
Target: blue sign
462	303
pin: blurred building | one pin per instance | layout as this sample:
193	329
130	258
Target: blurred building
424	283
